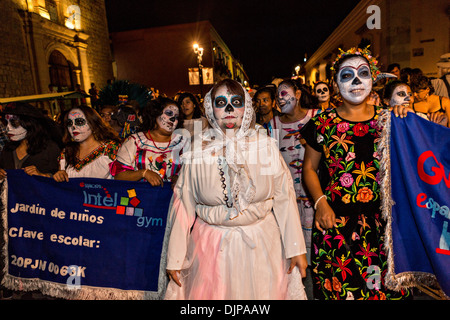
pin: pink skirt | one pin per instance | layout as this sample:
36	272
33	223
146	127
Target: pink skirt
236	263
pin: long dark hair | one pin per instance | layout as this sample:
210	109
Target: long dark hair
197	111
39	132
101	131
154	109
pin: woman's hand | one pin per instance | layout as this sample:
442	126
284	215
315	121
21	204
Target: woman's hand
174	181
301	263
173	275
33	171
61	176
438	117
325	216
153	178
2	174
402	111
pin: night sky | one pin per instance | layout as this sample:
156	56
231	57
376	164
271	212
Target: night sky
269	37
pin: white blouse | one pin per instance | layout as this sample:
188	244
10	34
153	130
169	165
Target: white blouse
95	165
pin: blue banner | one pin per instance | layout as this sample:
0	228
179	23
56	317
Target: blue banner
418	233
102	237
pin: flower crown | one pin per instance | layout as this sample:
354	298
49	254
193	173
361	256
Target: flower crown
360	52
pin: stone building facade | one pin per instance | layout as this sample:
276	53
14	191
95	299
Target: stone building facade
60	43
413	33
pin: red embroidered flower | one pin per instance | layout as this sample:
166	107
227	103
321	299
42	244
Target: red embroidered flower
360	129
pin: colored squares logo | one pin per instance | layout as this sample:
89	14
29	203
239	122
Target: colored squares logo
128	205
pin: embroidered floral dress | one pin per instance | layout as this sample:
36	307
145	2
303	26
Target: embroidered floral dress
349	262
138	152
95	165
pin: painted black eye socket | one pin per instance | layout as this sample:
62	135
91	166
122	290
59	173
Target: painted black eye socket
324	90
237	101
347	74
220	102
15	123
169	113
79	122
364	72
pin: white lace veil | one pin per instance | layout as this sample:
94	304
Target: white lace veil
234	147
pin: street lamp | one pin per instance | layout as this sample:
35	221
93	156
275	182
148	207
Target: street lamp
297	69
199	52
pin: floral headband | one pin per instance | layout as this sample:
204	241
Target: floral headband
360	52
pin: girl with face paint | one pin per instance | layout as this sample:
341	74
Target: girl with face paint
153	154
223	189
228	108
91	145
34	143
295	102
342	147
323	93
398	93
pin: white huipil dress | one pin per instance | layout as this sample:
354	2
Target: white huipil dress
244	257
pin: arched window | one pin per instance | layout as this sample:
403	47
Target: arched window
52	9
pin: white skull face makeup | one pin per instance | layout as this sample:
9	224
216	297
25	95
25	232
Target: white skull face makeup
228	109
78	125
322	92
286	98
14	130
354	79
401	96
168	120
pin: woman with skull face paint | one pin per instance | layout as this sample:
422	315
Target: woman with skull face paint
153	153
323	93
246	242
295	102
348	232
90	145
34	141
398	92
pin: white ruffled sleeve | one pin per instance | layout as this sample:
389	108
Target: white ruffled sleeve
286	211
181	218
127	152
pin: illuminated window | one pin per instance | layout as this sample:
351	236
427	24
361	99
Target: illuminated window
50	5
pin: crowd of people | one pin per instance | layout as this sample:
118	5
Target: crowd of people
309	227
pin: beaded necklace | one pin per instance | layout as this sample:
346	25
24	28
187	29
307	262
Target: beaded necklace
224	186
160	149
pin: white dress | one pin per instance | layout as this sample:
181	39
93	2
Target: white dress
244	257
95	165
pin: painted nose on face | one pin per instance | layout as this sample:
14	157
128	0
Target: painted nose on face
172	119
356	81
229	108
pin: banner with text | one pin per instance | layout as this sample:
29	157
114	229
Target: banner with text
418	233
86	238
